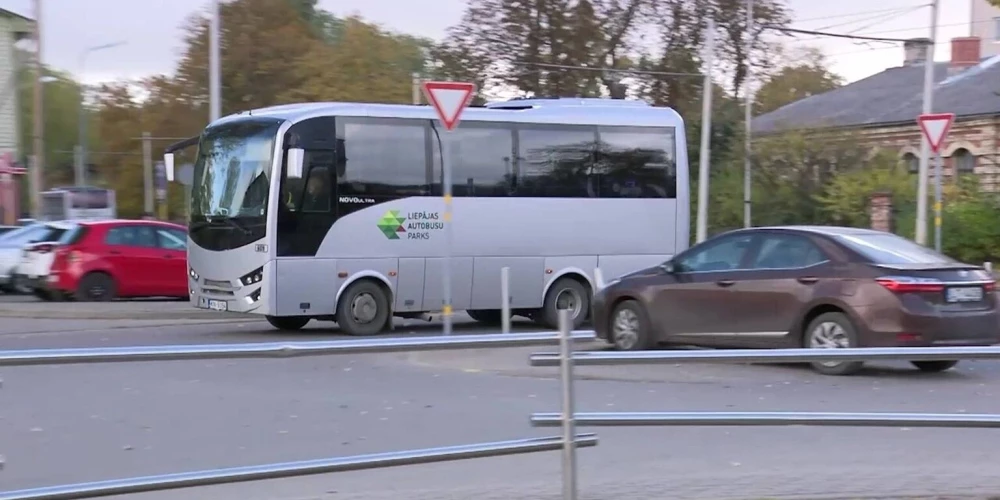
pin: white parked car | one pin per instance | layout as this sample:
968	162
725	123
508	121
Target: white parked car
37	255
12	250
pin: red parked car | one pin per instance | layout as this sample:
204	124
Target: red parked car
104	260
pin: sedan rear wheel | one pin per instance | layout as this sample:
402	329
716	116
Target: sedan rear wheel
833	331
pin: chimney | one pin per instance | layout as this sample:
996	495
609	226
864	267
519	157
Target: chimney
965	53
915	51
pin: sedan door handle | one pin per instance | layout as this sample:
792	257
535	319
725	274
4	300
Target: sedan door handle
725	283
114	252
168	256
808	280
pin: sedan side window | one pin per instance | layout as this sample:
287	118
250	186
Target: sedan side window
787	251
723	255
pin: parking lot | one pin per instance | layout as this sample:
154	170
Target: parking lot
86	422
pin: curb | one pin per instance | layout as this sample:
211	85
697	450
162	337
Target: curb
54	312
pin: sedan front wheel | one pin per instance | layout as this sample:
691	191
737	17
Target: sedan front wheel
628	329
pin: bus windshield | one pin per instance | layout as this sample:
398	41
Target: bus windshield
232	172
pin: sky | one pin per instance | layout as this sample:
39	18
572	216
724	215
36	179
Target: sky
151	36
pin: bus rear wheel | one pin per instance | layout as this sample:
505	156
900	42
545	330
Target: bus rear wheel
488	317
363	309
288	323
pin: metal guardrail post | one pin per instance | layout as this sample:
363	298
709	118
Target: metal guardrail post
568	406
988	266
598	279
505	300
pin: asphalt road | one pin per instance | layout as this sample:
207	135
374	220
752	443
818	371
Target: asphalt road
63	424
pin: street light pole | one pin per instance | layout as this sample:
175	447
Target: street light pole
214	77
81	153
38	156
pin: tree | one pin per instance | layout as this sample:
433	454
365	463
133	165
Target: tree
61	119
365	65
790	174
807	76
995	3
260	44
845	199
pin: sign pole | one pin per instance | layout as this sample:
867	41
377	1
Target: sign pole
449	238
935	127
449	100
937	200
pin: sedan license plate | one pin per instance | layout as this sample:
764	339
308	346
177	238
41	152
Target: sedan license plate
964	294
215	305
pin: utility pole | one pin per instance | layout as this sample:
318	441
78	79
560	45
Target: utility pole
214	77
706	134
748	117
38	156
147	172
925	147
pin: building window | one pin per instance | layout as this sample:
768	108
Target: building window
964	161
912	163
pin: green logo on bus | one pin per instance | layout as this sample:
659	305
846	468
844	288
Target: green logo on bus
391	224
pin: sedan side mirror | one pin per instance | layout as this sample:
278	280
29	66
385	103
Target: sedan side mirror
668	267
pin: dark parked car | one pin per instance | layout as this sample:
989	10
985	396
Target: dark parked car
803	286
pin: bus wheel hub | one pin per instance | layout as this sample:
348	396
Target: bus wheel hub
364	308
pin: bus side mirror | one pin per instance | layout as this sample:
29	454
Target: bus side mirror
168	165
295	163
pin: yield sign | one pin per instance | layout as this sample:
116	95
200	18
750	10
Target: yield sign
935	128
449	100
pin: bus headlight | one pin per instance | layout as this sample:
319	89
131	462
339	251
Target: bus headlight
193	274
253	277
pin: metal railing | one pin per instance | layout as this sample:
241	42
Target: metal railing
568	419
567	442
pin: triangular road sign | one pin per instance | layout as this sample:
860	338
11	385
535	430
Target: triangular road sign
935	128
449	100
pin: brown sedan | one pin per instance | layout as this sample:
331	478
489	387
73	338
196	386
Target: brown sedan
803	286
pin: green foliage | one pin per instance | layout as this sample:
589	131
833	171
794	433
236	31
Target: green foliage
61	107
845	199
969	229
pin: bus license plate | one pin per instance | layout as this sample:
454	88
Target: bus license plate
215	305
965	294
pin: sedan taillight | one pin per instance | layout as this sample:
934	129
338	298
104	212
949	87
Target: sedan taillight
906	284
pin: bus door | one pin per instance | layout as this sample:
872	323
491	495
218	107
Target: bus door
309	204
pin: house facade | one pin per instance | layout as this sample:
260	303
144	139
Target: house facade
13	27
883	109
986	25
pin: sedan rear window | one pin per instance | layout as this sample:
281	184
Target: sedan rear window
892	249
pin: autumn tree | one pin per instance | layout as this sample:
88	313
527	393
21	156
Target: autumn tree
61	112
365	65
807	76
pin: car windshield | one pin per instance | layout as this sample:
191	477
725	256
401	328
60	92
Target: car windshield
892	249
233	169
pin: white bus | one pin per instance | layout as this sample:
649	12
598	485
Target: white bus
78	203
333	211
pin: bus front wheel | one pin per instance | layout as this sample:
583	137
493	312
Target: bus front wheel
288	323
566	293
363	309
